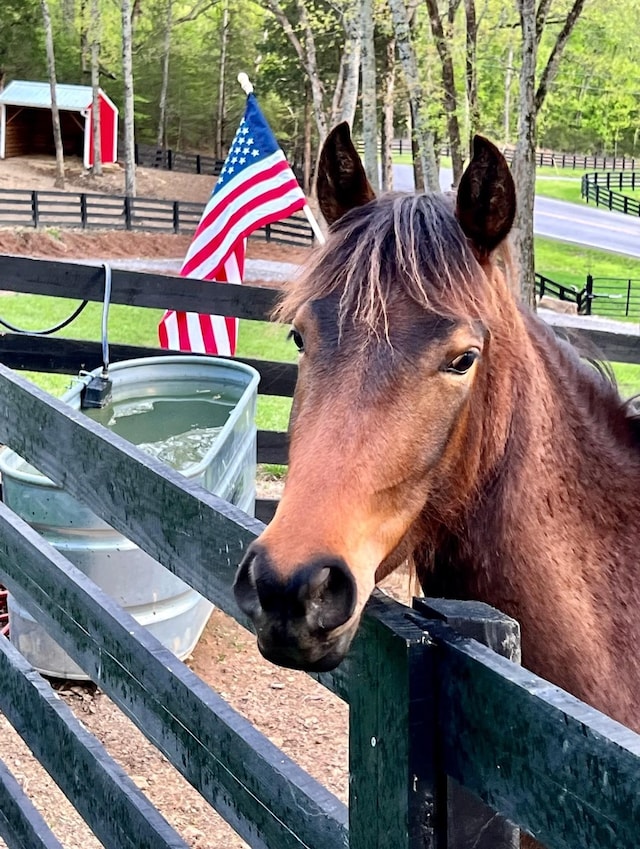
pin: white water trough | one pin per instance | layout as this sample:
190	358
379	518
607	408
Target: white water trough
195	413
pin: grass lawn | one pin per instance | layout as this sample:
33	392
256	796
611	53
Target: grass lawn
567	189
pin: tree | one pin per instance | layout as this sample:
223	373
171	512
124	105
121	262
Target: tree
129	117
421	129
532	24
369	104
95	87
55	114
443	41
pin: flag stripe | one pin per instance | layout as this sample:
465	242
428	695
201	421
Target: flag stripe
256	186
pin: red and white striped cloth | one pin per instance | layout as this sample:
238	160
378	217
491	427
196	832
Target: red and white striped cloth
256	187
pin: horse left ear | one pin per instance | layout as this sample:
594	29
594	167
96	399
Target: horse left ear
486	204
341	183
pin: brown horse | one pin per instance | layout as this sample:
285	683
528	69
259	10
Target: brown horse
436	419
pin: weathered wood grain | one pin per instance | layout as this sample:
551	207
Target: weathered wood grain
21	824
265	796
101	791
555	766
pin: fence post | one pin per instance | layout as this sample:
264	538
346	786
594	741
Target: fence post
588	289
169	159
136	153
470	823
198	164
83	210
35	210
626	311
397	791
176	216
127	212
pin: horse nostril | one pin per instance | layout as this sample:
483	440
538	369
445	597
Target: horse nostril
244	586
331	595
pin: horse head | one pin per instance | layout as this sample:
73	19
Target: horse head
393	321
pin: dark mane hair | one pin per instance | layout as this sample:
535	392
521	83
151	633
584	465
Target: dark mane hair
411	243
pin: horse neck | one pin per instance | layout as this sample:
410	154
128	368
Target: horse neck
550	535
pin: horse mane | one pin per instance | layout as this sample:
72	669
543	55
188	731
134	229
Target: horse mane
398	243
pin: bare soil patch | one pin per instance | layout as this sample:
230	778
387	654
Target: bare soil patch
297	714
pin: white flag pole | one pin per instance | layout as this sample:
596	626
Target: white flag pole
245	84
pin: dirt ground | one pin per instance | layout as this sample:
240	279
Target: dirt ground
297	714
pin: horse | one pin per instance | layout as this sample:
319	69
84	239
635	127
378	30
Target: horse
437	419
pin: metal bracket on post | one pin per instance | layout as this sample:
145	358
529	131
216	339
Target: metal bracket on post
470	823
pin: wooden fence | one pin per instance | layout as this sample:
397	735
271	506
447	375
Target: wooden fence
425	703
197	163
600	189
88	211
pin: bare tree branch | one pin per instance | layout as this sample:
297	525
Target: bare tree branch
551	68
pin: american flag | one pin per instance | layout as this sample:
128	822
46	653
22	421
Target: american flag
256	186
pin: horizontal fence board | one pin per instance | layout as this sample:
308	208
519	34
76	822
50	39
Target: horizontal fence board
62	279
100	790
239	771
273	447
26	352
21	824
617	347
548	762
266	509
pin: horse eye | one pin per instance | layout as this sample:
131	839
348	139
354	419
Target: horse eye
462	364
298	341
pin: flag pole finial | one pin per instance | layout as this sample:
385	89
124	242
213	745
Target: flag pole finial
244	81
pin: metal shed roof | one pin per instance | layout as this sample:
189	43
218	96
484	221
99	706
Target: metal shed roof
73	98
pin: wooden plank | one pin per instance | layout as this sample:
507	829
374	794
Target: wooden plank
617	346
21	824
70	356
397	798
273	447
470	823
100	790
60	279
266	509
258	790
560	769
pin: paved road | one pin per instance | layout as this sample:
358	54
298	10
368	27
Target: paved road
569	222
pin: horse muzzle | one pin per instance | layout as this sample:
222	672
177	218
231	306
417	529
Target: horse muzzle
302	618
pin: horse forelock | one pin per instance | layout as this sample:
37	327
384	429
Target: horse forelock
397	246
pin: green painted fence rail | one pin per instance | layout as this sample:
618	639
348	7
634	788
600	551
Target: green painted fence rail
425	702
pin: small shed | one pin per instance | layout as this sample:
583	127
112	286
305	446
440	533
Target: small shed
26	125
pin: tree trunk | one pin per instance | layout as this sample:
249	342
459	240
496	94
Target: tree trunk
307	56
443	41
369	99
224	41
95	88
127	77
55	114
471	64
306	178
551	68
524	162
508	77
164	86
422	133
388	86
345	98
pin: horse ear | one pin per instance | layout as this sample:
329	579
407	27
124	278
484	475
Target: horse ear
341	183
486	203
